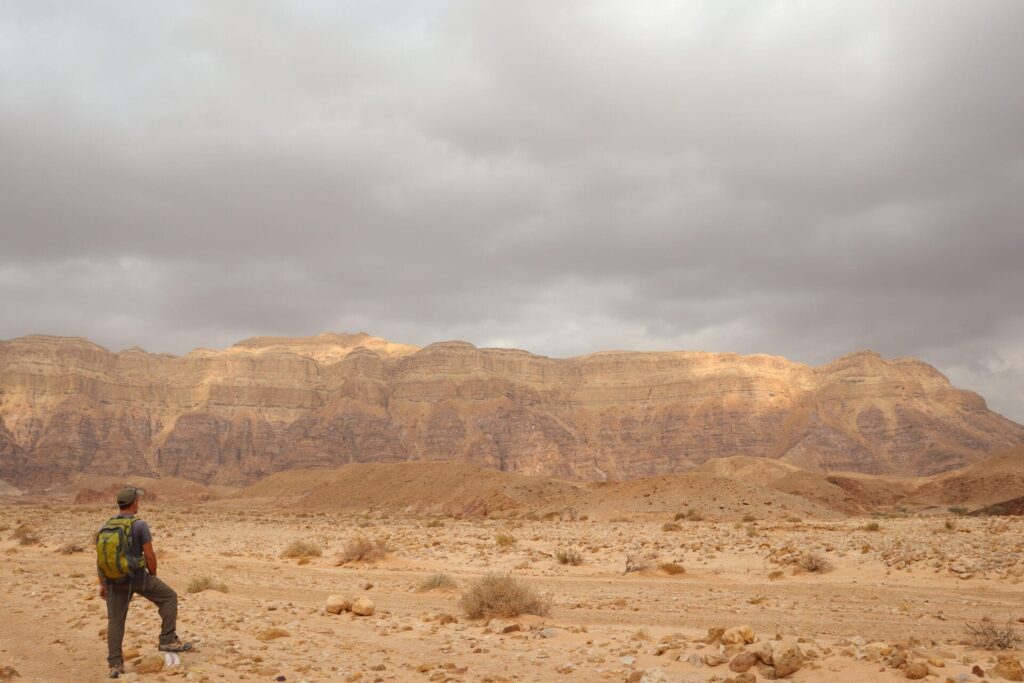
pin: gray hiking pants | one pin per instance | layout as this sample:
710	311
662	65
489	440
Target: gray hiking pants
119	596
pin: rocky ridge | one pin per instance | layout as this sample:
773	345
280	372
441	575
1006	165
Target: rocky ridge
271	404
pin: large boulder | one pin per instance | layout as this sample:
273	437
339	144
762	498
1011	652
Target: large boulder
787	658
363	607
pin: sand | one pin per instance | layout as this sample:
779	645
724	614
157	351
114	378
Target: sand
912	584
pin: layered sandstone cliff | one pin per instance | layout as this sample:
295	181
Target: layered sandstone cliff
269	404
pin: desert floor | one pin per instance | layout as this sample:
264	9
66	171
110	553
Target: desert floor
908	587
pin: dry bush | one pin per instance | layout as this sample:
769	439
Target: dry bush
206	582
434	524
670	526
302	549
872	526
958	510
435	582
672	568
569	556
690	515
25	535
363	549
70	548
949	525
505	540
619	520
634	563
502	595
749	518
813	562
775	574
991	637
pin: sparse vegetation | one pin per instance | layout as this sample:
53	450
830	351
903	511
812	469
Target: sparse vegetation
872	526
958	510
775	574
70	548
949	525
505	541
502	595
363	549
635	563
25	535
986	634
670	526
690	515
436	582
569	556
747	518
434	524
815	563
301	548
671	568
206	582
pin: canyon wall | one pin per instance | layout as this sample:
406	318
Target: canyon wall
267	404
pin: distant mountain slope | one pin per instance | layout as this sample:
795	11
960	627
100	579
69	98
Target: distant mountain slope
265	405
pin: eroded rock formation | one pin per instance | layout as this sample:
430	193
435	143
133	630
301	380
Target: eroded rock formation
269	404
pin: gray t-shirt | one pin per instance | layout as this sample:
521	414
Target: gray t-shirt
141	535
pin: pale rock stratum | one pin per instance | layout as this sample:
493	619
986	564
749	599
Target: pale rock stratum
269	404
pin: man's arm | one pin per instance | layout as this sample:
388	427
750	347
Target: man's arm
150	555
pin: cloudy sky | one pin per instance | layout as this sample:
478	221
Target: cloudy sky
797	178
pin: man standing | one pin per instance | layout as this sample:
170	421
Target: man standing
142	580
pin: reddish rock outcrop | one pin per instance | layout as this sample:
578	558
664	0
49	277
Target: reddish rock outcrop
269	404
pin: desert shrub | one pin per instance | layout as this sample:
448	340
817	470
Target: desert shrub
670	526
635	563
505	540
949	525
690	515
986	634
813	562
794	519
748	518
301	548
434	524
775	574
70	548
872	526
672	568
619	520
25	535
958	510
435	582
569	556
502	595
363	549
751	531
206	582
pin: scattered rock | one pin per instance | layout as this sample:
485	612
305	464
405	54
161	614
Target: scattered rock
363	607
654	675
763	652
272	633
915	670
151	663
503	626
787	658
1007	667
742	662
336	604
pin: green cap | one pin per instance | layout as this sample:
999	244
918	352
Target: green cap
127	495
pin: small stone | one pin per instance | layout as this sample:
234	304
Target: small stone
627	660
503	626
151	663
915	670
787	658
654	675
548	632
272	633
363	607
337	604
742	662
1008	667
712	659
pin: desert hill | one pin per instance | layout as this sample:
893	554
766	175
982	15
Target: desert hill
266	405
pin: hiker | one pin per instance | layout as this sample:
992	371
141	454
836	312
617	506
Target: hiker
126	563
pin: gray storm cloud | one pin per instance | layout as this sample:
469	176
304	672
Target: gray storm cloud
798	178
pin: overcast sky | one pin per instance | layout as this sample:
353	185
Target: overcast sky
796	178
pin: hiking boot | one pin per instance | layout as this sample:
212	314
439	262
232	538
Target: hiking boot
116	671
176	646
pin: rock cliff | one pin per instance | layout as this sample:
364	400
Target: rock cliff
269	404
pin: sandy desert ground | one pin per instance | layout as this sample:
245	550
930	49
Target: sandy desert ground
901	593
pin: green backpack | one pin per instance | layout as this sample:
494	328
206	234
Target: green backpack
114	555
